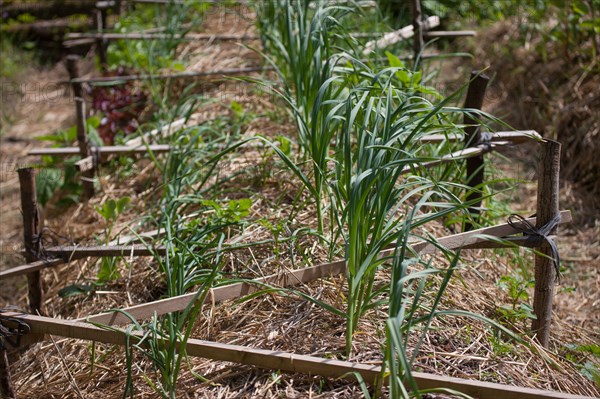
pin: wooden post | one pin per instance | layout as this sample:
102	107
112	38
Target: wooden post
475	169
417	20
101	44
31	235
87	176
6	386
73	69
121	7
547	209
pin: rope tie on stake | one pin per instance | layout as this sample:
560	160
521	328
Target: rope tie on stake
11	334
485	141
537	236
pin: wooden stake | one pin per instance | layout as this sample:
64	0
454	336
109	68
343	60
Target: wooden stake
547	209
87	176
73	69
101	43
475	168
77	87
31	235
6	387
417	21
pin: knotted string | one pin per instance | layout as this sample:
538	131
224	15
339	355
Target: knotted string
485	141
537	236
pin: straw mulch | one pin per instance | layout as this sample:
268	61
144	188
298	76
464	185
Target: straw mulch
62	368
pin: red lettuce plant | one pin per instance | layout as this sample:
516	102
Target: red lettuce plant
121	106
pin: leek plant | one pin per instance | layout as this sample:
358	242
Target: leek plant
377	143
163	341
298	40
193	257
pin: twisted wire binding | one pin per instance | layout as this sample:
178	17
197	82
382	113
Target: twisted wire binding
12	335
537	236
47	237
96	158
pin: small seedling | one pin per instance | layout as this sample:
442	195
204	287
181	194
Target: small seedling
110	211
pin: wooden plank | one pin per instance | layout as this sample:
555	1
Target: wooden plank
66	254
31	233
455	33
105	4
220	294
484	390
185	2
467	153
77	252
547	208
516	137
190	37
183	75
401	34
285	361
69	44
165	131
30	268
469	240
104	150
130	239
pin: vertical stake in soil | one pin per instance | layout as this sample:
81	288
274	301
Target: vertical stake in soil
73	69
475	169
87	176
417	20
84	149
547	209
6	386
31	235
101	44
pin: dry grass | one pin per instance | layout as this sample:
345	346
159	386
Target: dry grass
61	368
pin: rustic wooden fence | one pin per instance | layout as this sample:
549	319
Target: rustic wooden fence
509	235
531	232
